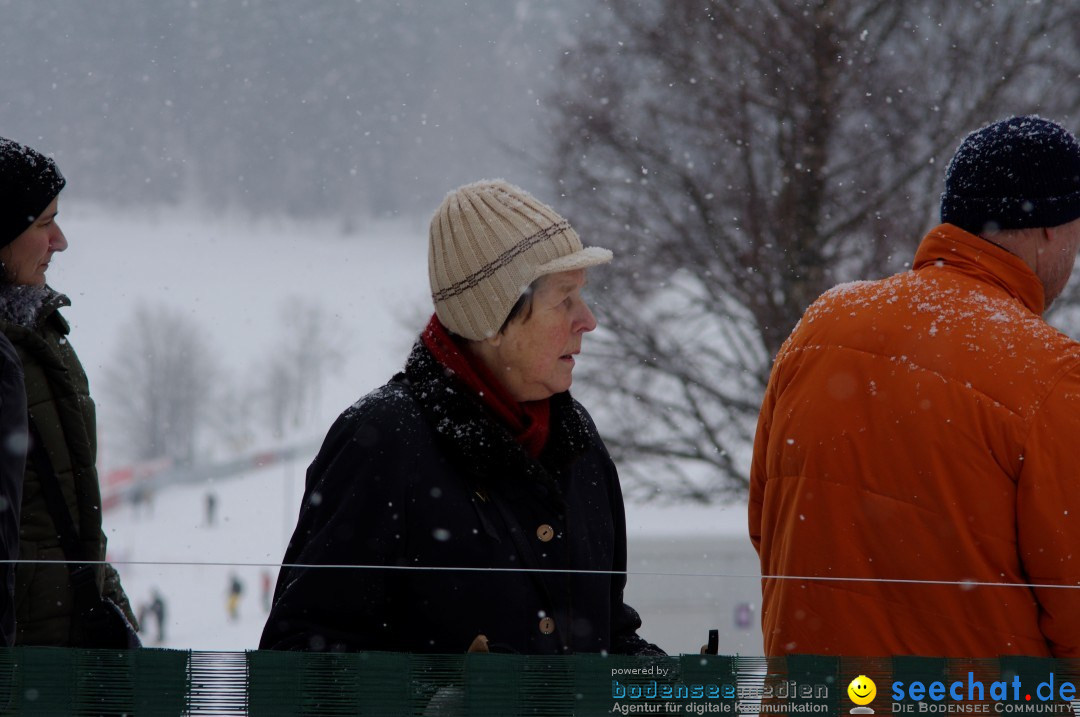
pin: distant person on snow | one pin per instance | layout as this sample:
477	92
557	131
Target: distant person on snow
267	585
923	428
232	601
474	457
210	505
154	609
48	611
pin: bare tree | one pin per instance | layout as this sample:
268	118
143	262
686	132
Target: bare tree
742	157
236	413
310	349
159	385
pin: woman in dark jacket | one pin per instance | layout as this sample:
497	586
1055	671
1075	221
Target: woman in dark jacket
59	404
470	503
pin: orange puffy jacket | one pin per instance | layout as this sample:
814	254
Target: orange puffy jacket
915	487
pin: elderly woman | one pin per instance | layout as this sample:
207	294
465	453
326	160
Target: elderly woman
55	604
472	477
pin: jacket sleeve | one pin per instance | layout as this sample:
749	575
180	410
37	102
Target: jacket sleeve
625	621
113	590
1048	515
352	511
758	471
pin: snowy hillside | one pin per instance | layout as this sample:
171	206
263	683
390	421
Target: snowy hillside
233	276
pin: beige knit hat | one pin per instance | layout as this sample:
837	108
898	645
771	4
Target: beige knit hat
488	242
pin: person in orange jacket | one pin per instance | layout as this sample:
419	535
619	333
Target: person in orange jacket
915	485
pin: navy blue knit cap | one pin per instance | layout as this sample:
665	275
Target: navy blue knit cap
1017	173
28	183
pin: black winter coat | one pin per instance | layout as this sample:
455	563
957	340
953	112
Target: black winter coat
418	475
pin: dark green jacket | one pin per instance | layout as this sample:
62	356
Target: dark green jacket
59	403
12	467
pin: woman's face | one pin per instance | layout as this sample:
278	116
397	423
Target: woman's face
534	356
27	258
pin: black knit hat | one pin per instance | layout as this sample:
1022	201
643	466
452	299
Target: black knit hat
28	183
1017	173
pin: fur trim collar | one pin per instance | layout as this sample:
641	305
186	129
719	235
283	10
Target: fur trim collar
26	305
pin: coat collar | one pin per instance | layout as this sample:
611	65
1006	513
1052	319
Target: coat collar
481	444
978	258
29	307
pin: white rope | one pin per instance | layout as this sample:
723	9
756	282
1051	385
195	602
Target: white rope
556	571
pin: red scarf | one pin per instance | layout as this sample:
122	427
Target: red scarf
529	422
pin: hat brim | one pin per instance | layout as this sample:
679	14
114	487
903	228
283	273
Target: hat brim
590	256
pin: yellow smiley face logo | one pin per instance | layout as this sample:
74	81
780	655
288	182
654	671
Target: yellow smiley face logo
862	690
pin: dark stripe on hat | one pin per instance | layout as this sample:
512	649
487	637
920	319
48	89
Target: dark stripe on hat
486	271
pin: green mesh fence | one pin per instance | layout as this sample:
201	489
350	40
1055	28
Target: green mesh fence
54	681
58	681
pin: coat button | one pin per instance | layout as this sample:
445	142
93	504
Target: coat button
547	626
545	532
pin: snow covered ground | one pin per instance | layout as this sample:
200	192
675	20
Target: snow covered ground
232	276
